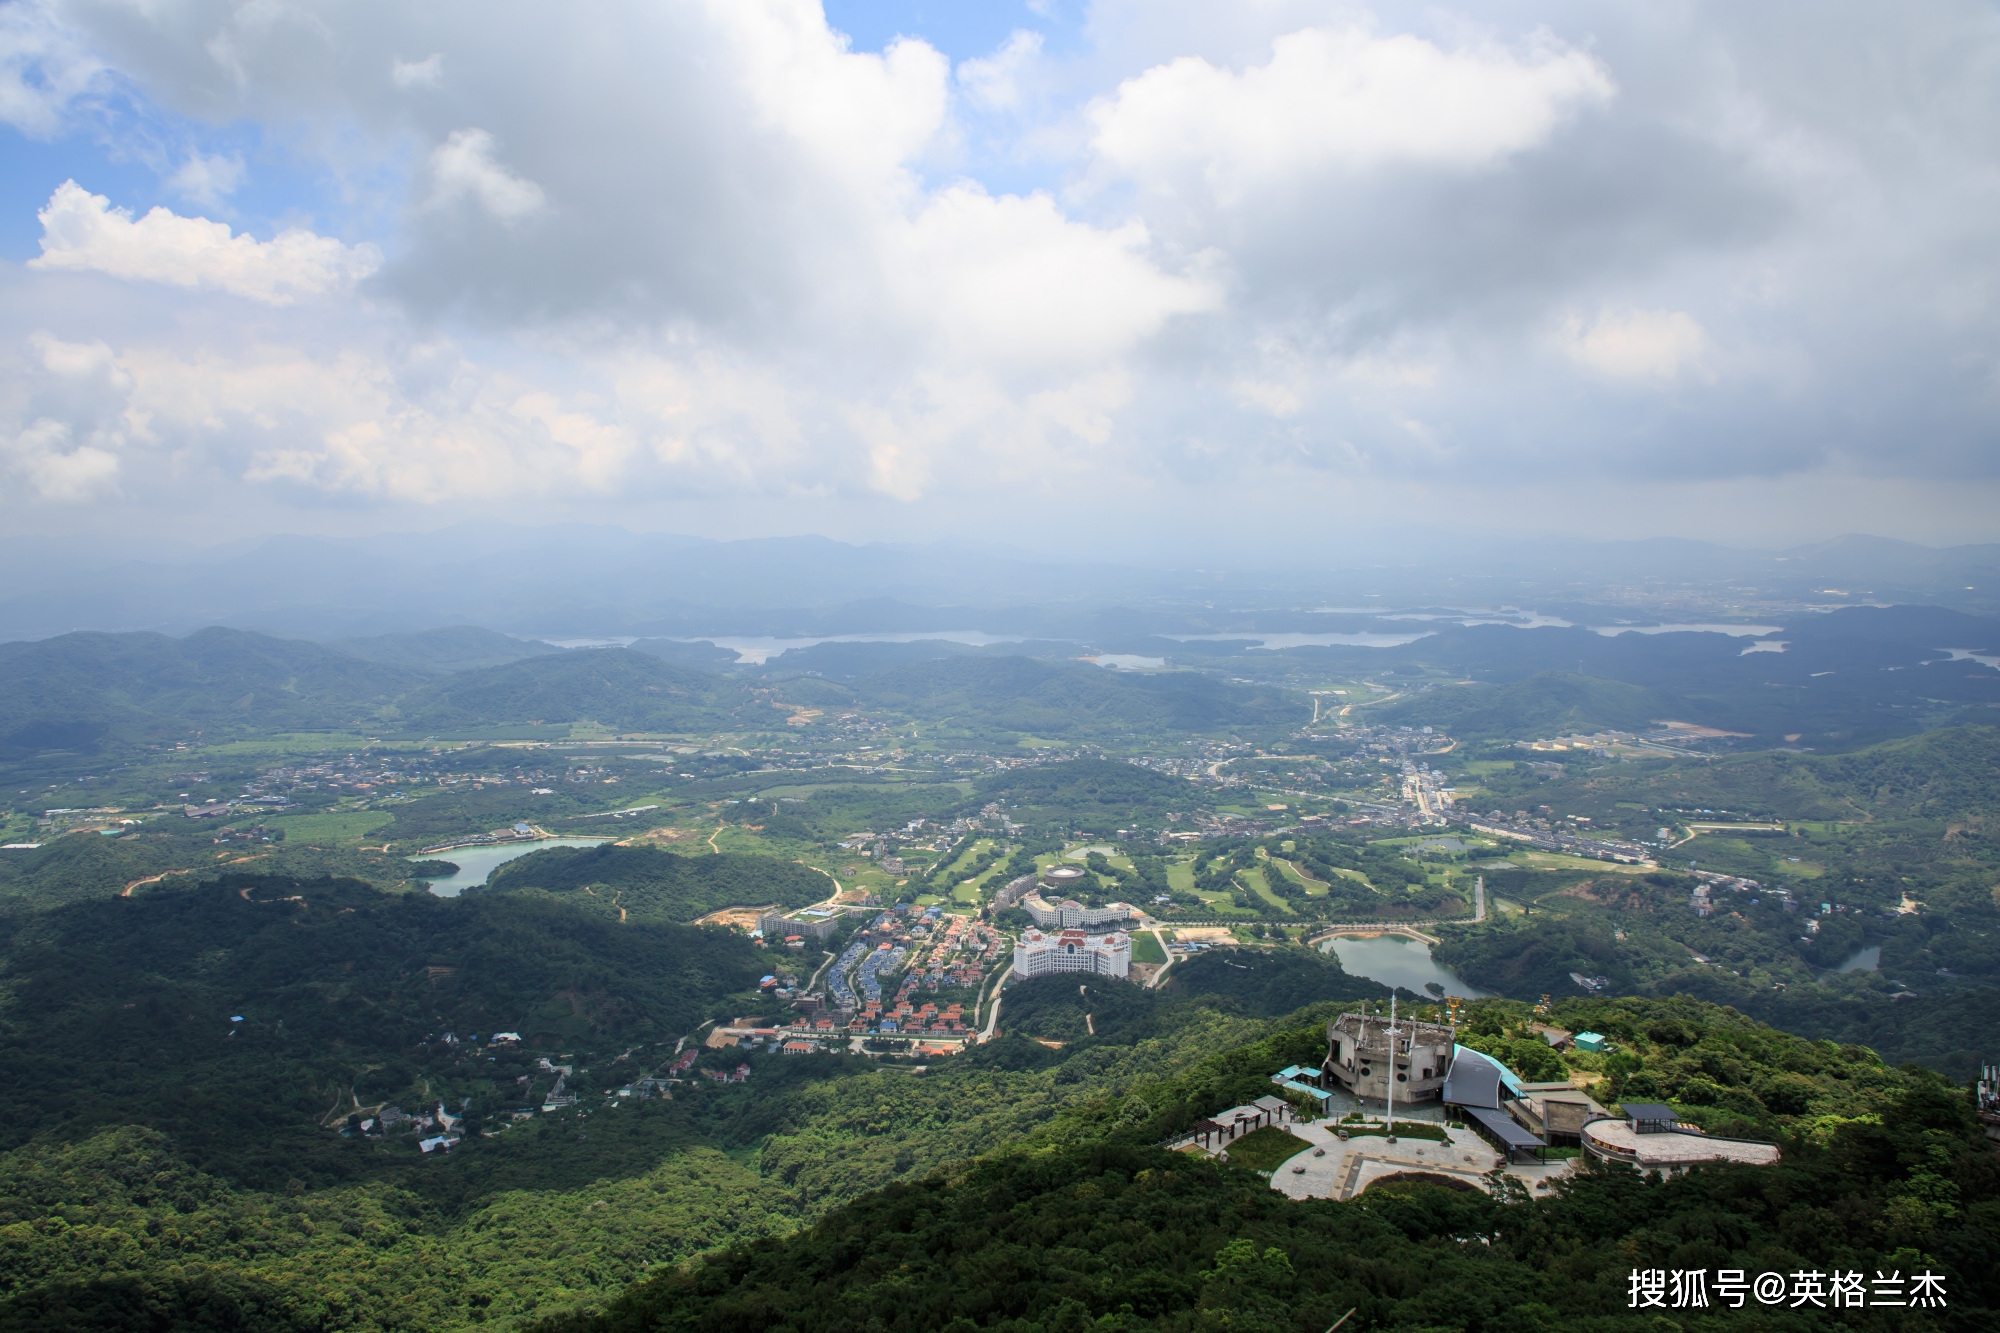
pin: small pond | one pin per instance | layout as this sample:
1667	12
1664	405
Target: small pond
1862	960
1396	960
476	863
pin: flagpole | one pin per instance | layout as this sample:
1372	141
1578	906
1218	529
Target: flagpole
1391	1135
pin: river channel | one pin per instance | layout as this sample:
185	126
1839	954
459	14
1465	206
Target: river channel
1396	960
476	863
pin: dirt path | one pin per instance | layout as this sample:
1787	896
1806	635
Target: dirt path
834	899
126	892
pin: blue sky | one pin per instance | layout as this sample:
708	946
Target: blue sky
124	145
961	31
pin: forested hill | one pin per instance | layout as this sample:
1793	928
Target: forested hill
1830	681
446	649
616	687
652	882
1072	700
78	690
124	1009
1095	1228
1087	792
1945	775
1549	703
84	690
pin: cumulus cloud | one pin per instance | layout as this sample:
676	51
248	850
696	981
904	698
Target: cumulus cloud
1340	98
1010	278
711	249
464	166
47	458
82	232
73	429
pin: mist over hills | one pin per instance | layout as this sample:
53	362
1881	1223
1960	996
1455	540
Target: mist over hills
570	581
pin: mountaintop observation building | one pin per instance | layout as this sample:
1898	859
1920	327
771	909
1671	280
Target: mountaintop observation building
1359	1060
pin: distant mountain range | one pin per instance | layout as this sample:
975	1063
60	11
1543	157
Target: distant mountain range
85	691
1828	680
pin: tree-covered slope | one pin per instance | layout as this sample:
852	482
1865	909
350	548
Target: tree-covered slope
439	651
615	687
651	882
1023	694
126	1007
1090	793
1549	703
77	689
1948	774
1095	1228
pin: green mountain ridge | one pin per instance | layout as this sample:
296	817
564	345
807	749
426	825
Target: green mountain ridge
651	882
1549	703
1092	1226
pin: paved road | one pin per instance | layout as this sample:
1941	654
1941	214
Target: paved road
986	1033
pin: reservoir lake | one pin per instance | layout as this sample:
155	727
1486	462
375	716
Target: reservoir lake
476	863
1396	960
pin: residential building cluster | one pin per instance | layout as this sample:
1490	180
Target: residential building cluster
911	949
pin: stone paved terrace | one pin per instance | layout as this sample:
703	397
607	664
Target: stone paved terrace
1347	1168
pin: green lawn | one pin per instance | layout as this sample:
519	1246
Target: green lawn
1314	888
332	827
1222	904
1266	1149
1405	1129
1180	877
1146	948
1254	880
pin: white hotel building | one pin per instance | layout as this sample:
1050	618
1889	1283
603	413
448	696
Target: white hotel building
1070	914
1039	955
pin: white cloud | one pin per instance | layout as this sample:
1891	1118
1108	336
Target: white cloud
995	82
45	67
41	454
464	166
207	181
81	232
425	73
1637	344
1346	99
1216	245
1012	278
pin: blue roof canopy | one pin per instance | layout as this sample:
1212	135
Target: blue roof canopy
1477	1079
